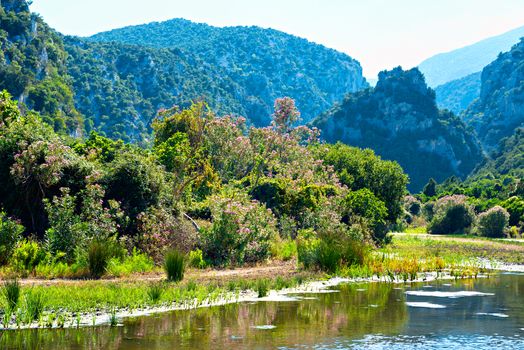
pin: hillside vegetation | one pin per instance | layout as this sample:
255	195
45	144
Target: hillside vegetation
265	63
399	119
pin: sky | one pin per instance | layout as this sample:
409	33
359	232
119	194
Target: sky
381	34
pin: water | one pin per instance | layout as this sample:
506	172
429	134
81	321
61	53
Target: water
471	314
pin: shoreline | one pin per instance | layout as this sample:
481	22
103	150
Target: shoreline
114	317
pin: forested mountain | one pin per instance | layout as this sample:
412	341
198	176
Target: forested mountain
456	64
265	63
500	108
399	119
122	87
508	159
458	94
32	66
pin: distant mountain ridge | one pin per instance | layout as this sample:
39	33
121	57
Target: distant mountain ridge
266	63
456	64
458	94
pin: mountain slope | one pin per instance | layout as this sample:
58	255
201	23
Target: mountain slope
459	63
266	63
121	87
32	66
400	121
500	107
458	94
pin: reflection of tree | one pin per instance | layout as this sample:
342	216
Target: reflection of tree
305	322
351	313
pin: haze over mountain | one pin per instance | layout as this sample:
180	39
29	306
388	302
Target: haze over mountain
457	95
456	64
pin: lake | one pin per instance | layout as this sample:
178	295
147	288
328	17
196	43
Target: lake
485	313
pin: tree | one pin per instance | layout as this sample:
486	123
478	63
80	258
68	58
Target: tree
430	189
286	113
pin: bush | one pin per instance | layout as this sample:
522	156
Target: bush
452	215
493	223
284	249
307	248
196	259
174	265
27	255
365	204
412	205
333	246
136	262
160	230
10	233
98	255
241	231
515	207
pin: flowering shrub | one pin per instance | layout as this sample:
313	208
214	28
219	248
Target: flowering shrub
451	214
241	231
159	230
493	222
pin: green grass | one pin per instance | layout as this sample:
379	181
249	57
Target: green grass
155	291
34	305
454	251
174	265
420	229
11	293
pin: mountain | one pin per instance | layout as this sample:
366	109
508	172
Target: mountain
458	94
33	66
264	63
456	64
508	159
500	108
121	87
400	121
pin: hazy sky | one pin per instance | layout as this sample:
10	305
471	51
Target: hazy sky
379	33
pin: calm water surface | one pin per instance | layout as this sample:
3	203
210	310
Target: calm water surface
355	316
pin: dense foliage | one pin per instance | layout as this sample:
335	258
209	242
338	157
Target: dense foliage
208	187
399	120
33	67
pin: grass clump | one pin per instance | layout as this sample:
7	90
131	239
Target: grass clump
155	291
34	305
262	286
174	265
11	292
98	255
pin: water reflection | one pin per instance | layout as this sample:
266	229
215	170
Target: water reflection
357	316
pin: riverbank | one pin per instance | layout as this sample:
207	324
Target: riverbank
410	258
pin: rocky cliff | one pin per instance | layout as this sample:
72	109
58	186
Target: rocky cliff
399	119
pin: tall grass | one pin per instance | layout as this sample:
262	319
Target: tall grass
98	255
174	265
11	292
34	305
262	286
